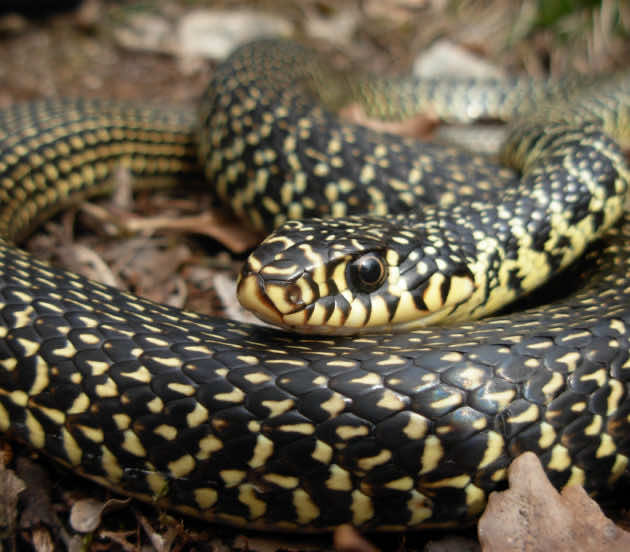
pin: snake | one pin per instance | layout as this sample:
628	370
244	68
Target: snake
404	425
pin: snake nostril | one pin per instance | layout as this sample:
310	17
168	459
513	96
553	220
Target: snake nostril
294	295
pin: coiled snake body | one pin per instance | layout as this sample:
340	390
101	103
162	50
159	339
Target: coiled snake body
254	426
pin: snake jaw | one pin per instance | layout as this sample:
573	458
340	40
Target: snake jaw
273	293
251	294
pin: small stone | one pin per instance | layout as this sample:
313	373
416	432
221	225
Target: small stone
446	58
214	34
145	31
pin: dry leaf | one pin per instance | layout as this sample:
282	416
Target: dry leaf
42	540
86	514
531	515
347	539
10	488
36	499
234	235
162	542
122	538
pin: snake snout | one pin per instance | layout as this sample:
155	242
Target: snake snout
250	291
273	291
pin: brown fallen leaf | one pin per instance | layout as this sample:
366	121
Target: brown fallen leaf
42	540
347	539
124	539
86	514
36	499
531	516
161	542
10	488
213	223
77	256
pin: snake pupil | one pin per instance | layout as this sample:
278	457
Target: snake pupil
369	272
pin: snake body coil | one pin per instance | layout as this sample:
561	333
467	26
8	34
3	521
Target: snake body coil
252	426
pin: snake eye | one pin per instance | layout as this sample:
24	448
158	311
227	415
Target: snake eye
368	272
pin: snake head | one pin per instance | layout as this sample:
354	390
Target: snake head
353	275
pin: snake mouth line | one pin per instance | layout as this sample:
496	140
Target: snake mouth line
252	295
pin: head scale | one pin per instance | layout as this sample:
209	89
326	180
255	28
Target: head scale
351	275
